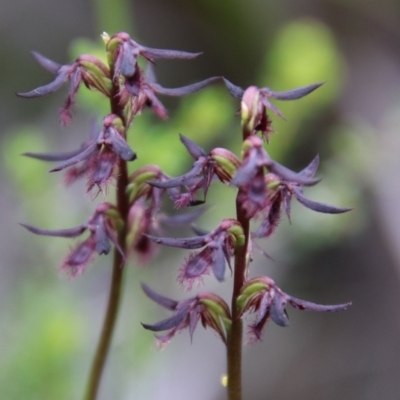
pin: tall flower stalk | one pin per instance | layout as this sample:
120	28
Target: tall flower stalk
134	223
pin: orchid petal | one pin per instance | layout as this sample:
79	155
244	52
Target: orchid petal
46	63
169	323
293	94
291	176
161	300
234	91
184	90
51	87
67	233
311	168
316	206
277	310
82	156
152	53
193	148
309	306
185	243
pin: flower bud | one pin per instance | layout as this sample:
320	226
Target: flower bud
95	74
251	109
138	185
226	164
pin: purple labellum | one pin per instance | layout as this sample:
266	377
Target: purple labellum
218	260
118	145
197	265
103	245
246	172
127	59
277	310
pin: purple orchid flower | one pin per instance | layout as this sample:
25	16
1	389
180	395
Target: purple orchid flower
261	295
87	69
98	156
219	246
206	307
262	96
102	226
219	162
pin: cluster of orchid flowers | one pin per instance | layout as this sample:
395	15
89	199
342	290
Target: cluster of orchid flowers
265	186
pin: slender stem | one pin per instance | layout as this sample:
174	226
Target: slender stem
235	335
117	274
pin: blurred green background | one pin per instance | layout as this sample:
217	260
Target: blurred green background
49	325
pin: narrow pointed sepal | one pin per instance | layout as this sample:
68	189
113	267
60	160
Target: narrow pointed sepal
82	156
316	206
161	300
46	63
154	54
234	91
184	243
51	87
193	148
184	90
293	94
67	233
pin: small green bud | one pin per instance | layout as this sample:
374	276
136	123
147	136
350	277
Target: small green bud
251	108
226	164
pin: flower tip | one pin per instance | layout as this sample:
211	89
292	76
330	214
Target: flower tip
105	37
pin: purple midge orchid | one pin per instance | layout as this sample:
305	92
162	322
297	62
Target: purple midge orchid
206	307
259	98
219	162
264	188
87	69
219	246
99	155
262	296
103	227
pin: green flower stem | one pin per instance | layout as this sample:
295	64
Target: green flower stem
117	272
235	334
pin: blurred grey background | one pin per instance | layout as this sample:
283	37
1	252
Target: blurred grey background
49	325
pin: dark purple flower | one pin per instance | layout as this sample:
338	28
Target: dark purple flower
255	102
219	162
206	307
102	227
279	193
139	89
262	296
219	246
250	176
87	69
98	156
